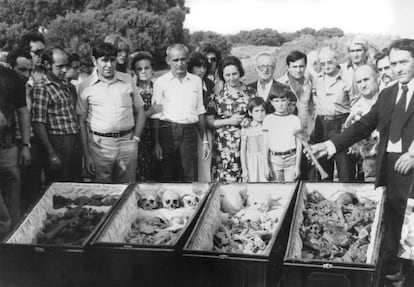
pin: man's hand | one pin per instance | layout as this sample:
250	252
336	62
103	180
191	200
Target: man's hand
245	122
157	151
235	119
155	109
404	164
89	165
24	156
268	172
54	162
319	150
206	150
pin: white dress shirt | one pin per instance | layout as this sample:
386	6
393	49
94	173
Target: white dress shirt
264	92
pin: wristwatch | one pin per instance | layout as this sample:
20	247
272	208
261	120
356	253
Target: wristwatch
27	144
137	139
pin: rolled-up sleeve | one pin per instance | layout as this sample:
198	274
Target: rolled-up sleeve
40	100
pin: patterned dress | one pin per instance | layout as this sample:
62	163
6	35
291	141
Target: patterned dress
226	166
146	162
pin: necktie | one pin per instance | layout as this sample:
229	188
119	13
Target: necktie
397	119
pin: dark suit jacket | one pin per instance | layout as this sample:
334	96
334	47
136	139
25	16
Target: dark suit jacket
379	117
276	86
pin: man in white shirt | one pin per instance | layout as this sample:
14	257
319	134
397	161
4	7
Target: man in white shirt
265	68
175	128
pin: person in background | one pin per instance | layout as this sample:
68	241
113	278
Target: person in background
265	69
382	62
112	117
36	44
224	115
183	114
313	68
296	62
74	67
282	151
332	105
292	106
54	119
123	47
358	55
12	99
214	57
141	64
31	184
392	117
366	79
251	149
198	65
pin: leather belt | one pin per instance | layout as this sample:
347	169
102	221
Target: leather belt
332	117
111	135
283	152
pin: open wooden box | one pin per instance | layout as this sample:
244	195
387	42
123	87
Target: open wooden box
207	267
116	261
25	262
300	271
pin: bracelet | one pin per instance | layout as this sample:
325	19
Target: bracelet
137	139
206	142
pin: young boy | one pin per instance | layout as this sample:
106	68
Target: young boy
280	146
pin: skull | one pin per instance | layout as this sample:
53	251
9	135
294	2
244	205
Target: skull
170	199
190	200
147	200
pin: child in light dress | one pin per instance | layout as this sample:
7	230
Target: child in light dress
280	146
251	149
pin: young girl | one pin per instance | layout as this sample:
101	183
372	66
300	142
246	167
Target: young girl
251	148
280	146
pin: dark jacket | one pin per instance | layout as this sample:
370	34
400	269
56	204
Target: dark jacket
276	86
379	118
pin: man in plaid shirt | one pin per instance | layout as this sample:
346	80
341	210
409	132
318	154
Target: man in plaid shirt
54	119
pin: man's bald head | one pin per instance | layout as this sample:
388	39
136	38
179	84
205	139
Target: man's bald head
365	77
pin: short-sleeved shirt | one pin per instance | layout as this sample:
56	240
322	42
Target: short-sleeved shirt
281	131
53	105
332	94
12	97
109	105
181	100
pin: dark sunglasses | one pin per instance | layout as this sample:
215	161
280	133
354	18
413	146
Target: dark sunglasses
37	52
212	59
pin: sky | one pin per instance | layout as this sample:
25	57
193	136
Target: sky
388	17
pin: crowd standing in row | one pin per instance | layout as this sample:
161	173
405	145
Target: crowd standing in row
200	122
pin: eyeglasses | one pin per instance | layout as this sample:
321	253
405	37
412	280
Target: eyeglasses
355	51
212	59
179	60
143	69
264	67
37	52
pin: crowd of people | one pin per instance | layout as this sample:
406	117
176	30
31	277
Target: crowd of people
115	123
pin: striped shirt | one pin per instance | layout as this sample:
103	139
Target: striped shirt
53	105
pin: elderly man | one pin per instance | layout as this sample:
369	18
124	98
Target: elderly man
332	105
365	78
358	55
53	116
265	69
382	62
302	88
392	116
175	128
111	116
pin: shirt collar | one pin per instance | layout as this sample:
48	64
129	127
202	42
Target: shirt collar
172	77
410	85
96	78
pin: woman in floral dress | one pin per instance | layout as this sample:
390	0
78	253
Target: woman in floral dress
224	114
141	64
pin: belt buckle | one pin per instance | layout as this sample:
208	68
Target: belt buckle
117	134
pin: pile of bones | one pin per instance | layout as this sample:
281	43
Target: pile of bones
248	222
161	215
71	220
337	230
